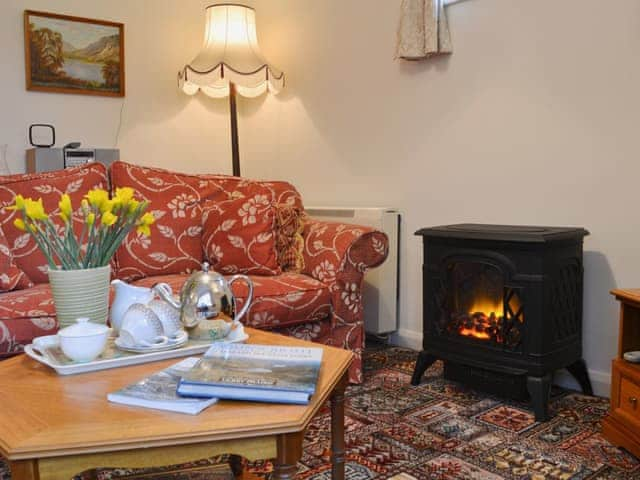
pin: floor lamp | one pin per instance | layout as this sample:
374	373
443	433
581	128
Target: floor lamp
230	63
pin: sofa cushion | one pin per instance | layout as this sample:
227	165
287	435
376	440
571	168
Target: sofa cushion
239	234
176	203
25	314
11	277
49	186
279	301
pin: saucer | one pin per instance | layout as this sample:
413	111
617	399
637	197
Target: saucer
633	356
174	342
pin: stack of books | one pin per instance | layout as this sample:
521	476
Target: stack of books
159	391
259	373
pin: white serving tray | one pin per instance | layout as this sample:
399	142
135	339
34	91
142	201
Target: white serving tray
47	350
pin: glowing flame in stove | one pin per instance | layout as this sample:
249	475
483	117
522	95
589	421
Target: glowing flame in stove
470	332
487	306
481	311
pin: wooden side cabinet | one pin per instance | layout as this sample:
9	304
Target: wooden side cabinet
622	426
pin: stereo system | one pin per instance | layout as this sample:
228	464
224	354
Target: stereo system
48	159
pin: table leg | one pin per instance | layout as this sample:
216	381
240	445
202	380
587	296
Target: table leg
289	447
337	429
24	469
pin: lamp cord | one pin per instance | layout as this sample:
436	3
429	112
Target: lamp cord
119	124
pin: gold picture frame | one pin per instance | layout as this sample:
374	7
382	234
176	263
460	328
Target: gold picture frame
66	54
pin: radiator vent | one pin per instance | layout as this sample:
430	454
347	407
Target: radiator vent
381	287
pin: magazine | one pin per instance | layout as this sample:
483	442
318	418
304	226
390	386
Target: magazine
158	391
261	373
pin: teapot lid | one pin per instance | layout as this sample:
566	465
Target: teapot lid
204	275
83	328
206	268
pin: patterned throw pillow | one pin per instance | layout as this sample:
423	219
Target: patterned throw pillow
49	186
11	277
289	225
289	241
175	201
239	234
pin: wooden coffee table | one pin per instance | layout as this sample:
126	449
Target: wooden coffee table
52	426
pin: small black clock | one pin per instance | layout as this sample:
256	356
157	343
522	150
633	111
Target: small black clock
42	135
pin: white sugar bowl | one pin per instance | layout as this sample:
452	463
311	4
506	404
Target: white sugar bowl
83	341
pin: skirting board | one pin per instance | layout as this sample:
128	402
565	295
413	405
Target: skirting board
600	381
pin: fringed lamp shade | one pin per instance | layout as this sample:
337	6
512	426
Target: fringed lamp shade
230	54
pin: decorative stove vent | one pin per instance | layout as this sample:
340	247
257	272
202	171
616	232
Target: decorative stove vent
503	307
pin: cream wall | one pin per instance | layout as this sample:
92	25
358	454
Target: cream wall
533	120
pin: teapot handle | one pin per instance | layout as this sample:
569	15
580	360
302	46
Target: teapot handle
249	298
165	292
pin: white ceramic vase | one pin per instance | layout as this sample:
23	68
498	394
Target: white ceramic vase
80	293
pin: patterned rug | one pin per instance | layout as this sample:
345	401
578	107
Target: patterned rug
441	430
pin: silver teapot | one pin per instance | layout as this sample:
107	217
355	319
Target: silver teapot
206	295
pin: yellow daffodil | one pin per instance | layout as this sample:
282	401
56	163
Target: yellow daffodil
84	204
133	204
107	206
19	224
124	195
19	203
148	219
145	222
109	218
65	207
144	230
97	197
34	209
91	218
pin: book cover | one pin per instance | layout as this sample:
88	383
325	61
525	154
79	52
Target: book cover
158	391
255	372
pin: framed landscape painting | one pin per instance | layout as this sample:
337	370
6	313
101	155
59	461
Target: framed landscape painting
73	55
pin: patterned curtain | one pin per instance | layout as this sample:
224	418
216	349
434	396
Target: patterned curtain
423	30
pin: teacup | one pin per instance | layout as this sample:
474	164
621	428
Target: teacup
142	327
169	317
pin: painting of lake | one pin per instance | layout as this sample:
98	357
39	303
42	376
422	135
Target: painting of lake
74	55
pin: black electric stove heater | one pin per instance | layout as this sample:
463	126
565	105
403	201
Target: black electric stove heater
502	306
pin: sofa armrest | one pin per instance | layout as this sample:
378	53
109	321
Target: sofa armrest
339	255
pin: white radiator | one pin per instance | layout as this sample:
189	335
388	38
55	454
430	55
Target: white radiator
380	295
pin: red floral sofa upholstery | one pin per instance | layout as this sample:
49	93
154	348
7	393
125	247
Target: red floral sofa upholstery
307	274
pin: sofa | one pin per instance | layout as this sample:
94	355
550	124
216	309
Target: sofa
307	274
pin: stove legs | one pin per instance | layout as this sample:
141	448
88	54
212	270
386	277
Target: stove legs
539	388
424	361
579	371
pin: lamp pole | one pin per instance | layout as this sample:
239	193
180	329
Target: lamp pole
235	150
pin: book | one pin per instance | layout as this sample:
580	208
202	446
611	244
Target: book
260	373
158	391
